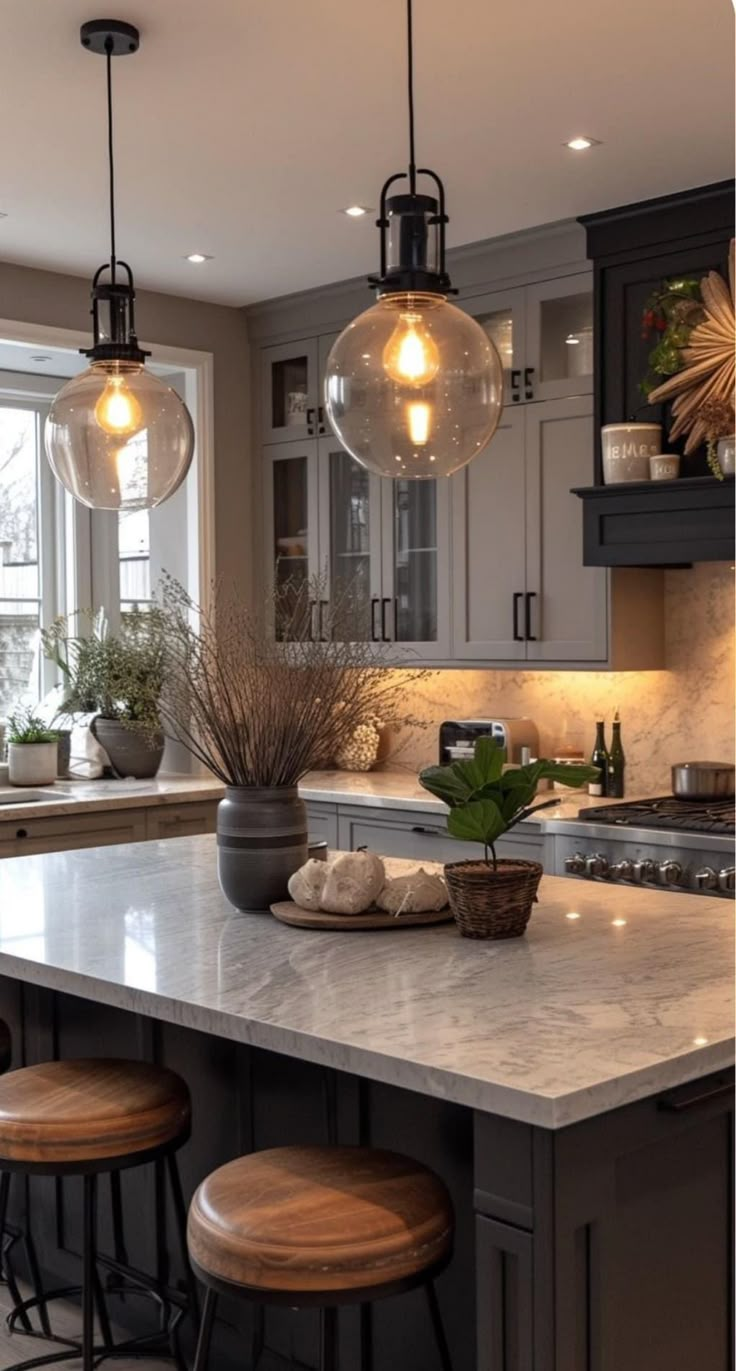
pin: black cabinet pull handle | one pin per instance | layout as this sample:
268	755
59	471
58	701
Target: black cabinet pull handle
321	420
517	596
530	595
430	832
515	383
385	636
310	419
375	633
677	1103
313	621
529	383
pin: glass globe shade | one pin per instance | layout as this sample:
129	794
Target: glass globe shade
414	387
119	438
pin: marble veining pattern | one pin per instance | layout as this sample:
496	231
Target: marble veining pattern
576	1018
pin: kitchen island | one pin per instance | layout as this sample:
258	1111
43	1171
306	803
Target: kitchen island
571	1087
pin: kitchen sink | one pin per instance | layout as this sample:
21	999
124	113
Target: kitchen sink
18	796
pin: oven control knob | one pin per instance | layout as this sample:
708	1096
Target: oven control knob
727	878
705	878
575	864
597	865
642	871
668	873
621	871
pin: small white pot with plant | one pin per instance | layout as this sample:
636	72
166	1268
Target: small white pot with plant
32	750
493	897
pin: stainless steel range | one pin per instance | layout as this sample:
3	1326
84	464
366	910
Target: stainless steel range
666	843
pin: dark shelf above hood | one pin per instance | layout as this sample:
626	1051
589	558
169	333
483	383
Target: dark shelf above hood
658	523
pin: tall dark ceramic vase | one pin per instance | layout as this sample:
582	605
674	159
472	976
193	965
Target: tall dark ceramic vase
261	842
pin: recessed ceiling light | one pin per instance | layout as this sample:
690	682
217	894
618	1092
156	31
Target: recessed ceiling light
571	340
356	211
580	143
198	257
41	357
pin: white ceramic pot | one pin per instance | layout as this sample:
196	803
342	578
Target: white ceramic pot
627	449
665	466
32	763
727	455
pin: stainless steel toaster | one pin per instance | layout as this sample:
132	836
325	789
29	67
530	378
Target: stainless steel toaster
457	737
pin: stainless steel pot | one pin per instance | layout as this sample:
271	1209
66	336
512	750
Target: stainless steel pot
704	781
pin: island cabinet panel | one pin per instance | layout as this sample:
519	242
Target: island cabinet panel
607	1246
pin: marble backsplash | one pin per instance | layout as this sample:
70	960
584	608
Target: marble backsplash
685	712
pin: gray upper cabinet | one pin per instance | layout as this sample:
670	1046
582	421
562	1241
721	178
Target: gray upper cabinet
503	316
350	513
559	338
291	514
565	607
489	548
290	392
415	596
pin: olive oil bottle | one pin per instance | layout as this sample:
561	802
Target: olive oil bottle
616	762
599	758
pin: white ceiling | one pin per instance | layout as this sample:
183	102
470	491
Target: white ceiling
243	126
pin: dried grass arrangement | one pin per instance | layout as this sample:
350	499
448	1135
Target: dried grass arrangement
261	709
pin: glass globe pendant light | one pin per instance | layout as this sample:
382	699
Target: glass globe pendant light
116	436
413	386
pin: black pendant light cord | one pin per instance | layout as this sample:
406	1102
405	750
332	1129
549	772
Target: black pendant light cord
410	47
110	156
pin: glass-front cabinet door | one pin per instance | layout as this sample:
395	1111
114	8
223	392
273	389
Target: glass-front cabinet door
415	598
291	525
559	334
290	397
350	543
503	317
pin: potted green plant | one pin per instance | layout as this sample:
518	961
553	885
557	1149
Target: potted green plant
492	897
32	750
117	678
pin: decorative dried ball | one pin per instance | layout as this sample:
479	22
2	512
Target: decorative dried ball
353	882
413	894
360	753
305	886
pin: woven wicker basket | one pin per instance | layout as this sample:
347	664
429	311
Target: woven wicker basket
492	904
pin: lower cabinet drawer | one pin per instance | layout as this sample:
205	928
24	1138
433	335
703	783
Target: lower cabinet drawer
26	837
181	821
399	833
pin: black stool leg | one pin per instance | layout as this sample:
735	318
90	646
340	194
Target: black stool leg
328	1339
202	1355
89	1272
180	1215
439	1331
8	1272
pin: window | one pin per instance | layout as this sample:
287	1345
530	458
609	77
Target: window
134	553
28	546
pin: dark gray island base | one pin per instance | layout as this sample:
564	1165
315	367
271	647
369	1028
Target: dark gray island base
599	1244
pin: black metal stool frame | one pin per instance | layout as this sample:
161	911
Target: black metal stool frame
295	1299
172	1304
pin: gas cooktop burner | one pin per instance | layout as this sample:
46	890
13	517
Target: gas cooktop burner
687	816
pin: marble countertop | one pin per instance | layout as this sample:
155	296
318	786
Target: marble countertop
629	998
401	790
76	797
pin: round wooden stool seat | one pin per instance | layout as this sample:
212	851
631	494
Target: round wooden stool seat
320	1219
88	1110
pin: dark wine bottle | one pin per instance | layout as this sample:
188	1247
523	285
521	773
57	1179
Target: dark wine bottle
616	762
600	759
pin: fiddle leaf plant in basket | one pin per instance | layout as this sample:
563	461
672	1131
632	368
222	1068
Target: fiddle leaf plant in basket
493	897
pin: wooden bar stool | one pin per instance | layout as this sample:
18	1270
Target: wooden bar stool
319	1226
88	1118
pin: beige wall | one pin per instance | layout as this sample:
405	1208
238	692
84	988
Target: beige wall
683	713
44	297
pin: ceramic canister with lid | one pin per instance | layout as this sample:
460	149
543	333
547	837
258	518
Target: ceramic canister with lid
627	449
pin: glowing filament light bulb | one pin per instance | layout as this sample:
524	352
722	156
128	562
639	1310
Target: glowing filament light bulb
411	356
419	416
117	411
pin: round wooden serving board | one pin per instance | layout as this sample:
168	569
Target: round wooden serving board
289	913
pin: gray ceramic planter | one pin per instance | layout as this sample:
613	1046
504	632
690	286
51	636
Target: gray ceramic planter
130	753
261	842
